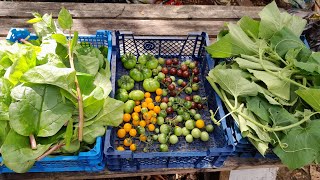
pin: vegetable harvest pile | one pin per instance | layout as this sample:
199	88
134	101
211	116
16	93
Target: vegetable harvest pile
169	109
53	94
271	87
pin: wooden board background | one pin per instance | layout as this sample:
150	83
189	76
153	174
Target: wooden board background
140	19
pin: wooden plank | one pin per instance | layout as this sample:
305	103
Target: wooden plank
139	27
231	164
131	11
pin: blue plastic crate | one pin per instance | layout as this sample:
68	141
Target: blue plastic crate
90	161
182	155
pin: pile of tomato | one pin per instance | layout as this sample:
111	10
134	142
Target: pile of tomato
155	118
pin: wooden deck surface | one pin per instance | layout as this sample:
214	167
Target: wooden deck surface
142	20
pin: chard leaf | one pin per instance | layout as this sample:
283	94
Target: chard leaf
233	82
275	85
249	26
60	38
310	96
87	59
259	107
17	153
303	146
281	117
45	27
65	19
4	130
273	21
38	110
111	113
47	74
90	133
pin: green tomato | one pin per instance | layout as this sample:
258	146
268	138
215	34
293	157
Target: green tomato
155	137
161	76
180	111
136	75
160	120
126	82
178	131
196	98
155	72
163	113
196	133
197	116
187	104
192	112
180	81
192	65
172	78
161	61
163	105
188	62
175	107
157	130
128	106
129	60
188	90
122	95
152	63
171	99
159	68
141	130
179	118
189	138
164	92
144	110
185	116
204	136
209	128
164	148
165	129
195	87
142	59
147	73
162	138
151	85
169	104
136	95
189	124
185	131
173	139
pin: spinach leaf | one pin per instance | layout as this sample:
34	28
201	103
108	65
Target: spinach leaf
4	130
249	26
91	132
65	19
87	59
17	153
38	110
48	74
111	113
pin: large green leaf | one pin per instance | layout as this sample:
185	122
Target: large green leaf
259	107
90	133
17	153
47	74
4	130
65	19
303	146
111	113
45	27
311	96
87	59
281	117
38	110
273	21
233	82
275	85
249	26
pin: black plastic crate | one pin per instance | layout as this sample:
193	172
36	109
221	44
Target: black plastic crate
182	155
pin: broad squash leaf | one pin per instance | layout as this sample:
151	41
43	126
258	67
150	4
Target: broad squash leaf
311	96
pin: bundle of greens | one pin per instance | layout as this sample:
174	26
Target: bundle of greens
271	87
54	94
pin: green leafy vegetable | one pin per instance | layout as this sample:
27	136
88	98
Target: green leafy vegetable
271	87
